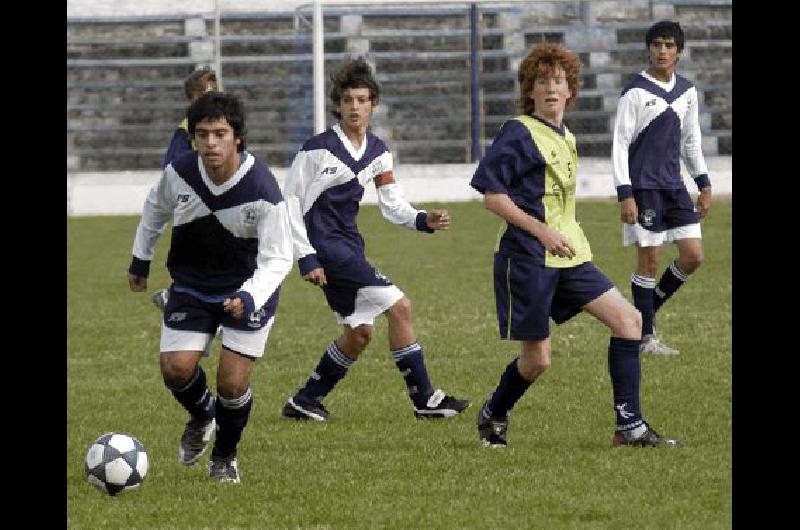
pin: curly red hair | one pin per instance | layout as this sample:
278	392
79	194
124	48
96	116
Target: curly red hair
541	61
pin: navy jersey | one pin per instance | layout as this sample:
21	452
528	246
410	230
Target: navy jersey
656	127
180	143
232	238
323	189
535	164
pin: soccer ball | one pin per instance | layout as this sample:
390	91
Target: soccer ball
116	462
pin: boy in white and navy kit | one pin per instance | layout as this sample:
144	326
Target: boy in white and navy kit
231	248
656	127
323	190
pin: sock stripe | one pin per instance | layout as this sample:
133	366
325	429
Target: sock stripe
399	353
236	403
643	281
338	357
682	276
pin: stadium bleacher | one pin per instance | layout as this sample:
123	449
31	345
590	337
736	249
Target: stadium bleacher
125	74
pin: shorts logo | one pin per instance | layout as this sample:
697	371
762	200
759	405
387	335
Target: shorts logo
177	317
647	217
331	170
255	318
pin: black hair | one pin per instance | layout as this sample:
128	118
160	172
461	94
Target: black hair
665	28
355	73
215	105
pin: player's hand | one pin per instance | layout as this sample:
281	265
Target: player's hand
138	284
704	202
628	211
438	220
317	277
234	306
556	243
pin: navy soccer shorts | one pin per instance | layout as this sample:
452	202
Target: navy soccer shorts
664	216
357	292
528	294
191	320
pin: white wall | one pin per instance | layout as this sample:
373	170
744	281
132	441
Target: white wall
123	193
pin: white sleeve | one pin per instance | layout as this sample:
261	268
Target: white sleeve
158	209
294	195
394	206
274	260
624	129
691	141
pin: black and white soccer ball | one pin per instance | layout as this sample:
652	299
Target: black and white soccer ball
116	462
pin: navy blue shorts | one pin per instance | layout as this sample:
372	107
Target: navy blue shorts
186	312
528	294
345	280
661	210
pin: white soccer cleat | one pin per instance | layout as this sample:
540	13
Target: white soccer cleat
651	344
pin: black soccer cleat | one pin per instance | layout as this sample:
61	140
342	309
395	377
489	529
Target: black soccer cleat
491	429
194	440
300	409
224	469
440	405
649	438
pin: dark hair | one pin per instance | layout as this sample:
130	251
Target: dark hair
354	73
666	29
541	61
215	105
197	82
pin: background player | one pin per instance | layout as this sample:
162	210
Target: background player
231	247
323	189
542	267
656	127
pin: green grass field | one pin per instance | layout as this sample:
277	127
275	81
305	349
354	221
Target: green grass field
374	465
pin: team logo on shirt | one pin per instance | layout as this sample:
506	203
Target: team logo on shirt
330	170
250	214
647	217
650	103
381	276
183	197
377	167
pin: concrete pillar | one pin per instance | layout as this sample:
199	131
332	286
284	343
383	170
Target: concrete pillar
513	38
202	51
663	11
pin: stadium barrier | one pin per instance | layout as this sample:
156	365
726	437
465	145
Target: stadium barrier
124	192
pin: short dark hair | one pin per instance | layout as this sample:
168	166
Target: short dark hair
354	73
215	105
198	81
665	28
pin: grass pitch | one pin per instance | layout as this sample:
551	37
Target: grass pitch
374	465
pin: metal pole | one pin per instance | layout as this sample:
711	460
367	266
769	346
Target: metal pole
474	86
217	50
319	69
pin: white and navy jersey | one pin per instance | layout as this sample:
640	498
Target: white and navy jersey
323	190
232	238
656	126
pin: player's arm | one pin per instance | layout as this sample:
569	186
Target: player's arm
396	209
624	128
692	155
273	262
501	205
297	180
158	208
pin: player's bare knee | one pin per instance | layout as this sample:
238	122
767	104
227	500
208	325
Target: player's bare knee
401	310
691	262
174	373
356	340
232	388
629	323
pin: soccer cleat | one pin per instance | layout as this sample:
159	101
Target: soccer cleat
651	344
649	438
440	405
491	430
195	439
224	469
301	409
159	299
